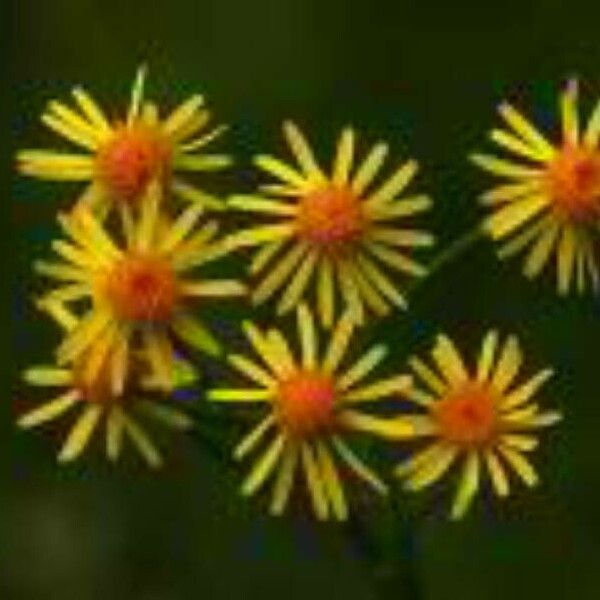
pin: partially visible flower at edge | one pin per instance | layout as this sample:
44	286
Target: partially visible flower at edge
309	403
481	417
332	229
126	156
551	203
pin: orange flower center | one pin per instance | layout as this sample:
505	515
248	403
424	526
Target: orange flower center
131	159
467	415
574	180
305	403
142	288
330	217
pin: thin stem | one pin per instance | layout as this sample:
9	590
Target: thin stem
388	552
454	250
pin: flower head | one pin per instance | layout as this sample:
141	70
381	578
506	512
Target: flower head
332	228
126	156
140	291
308	403
552	203
96	400
483	418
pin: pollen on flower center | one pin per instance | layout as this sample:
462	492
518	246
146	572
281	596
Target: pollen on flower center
467	415
142	288
131	159
330	216
305	402
574	180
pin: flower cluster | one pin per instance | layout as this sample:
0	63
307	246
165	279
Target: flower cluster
131	282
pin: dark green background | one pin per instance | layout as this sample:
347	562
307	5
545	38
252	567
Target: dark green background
425	76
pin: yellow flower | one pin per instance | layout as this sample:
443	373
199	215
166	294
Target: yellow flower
135	295
332	227
125	156
308	404
96	401
483	418
551	203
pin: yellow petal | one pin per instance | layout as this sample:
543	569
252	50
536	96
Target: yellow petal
325	293
358	466
520	464
526	391
517	146
449	361
276	278
263	256
251	370
568	109
393	186
504	168
142	442
508	365
264	466
339	343
487	355
497	474
114	433
567	249
302	151
48	376
49	410
293	294
331	482
468	486
427	375
390	428
369	168
308	337
427	472
379	390
252	439
240	395
508	218
540	252
362	367
314	483
343	158
80	433
137	94
191	331
281	170
285	479
526	130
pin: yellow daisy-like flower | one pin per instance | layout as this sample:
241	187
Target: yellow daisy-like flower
139	293
125	156
334	228
552	203
483	418
96	401
308	404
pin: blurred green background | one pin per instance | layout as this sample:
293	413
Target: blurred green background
426	77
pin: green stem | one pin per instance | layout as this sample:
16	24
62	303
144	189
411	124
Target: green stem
454	250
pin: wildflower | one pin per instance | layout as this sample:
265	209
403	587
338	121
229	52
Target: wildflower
332	228
138	293
308	404
552	202
126	156
483	418
95	400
